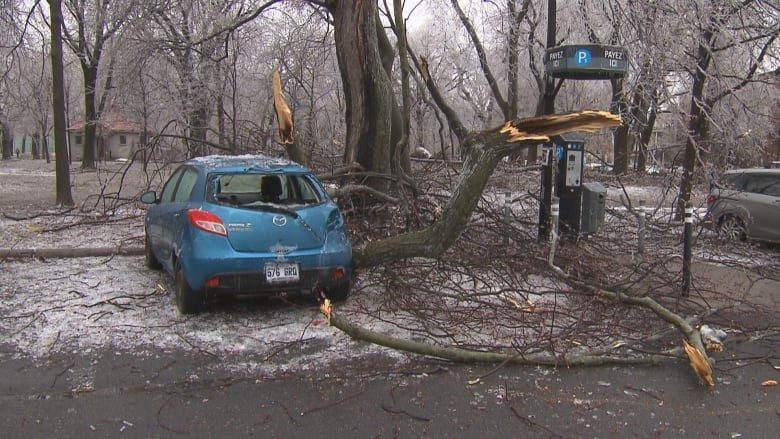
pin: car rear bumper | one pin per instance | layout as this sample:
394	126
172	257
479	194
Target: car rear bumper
244	272
210	263
254	282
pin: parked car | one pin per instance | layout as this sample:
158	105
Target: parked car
745	204
246	225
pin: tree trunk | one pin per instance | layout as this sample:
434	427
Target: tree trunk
34	146
367	88
645	137
478	166
483	150
6	139
198	122
697	120
45	147
90	117
621	139
64	195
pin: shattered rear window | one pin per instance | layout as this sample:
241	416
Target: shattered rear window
247	189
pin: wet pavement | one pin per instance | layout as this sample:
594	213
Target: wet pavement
182	394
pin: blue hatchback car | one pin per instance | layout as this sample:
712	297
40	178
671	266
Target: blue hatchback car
246	225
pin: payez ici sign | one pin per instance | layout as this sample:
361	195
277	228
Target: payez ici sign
589	61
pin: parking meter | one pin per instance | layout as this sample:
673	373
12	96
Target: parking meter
570	156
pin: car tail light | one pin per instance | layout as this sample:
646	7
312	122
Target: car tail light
338	274
213	282
711	199
207	221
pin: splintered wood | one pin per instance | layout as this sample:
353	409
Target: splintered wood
283	113
543	127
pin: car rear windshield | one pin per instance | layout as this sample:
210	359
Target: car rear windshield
256	189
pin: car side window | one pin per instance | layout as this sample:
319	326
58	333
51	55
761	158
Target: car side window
170	186
763	184
186	184
774	188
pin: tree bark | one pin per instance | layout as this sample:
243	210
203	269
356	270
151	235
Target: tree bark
697	120
367	88
645	136
470	356
621	139
6	138
64	195
285	122
90	116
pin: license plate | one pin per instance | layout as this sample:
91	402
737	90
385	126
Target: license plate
281	273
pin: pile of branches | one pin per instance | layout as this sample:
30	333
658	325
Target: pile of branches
499	295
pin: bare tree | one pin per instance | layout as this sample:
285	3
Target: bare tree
9	43
64	196
94	24
721	29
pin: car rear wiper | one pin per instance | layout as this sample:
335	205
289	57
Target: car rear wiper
270	207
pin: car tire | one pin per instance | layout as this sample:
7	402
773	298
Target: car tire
732	228
149	259
188	300
338	294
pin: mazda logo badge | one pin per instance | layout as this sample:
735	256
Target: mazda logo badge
280	220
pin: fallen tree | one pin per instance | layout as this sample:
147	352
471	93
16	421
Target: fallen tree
68	252
372	131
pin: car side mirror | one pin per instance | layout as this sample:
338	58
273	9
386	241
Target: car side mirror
149	197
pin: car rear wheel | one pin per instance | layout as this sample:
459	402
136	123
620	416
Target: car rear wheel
149	259
188	300
732	228
338	294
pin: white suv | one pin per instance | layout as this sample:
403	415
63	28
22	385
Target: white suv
747	205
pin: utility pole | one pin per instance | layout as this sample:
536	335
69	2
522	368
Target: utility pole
549	108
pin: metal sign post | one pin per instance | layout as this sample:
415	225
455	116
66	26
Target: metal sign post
579	62
687	251
546	195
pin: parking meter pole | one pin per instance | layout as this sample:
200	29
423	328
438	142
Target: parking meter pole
641	228
546	194
548	101
687	253
555	211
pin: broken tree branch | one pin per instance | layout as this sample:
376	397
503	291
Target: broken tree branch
68	252
468	356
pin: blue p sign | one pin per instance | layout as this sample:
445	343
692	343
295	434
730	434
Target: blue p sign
582	57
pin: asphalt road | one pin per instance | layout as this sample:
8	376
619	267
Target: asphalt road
181	394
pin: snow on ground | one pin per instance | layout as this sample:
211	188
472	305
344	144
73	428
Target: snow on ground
73	230
93	304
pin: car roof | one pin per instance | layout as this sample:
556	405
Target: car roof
771	171
233	163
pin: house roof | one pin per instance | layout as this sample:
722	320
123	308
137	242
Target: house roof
112	123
